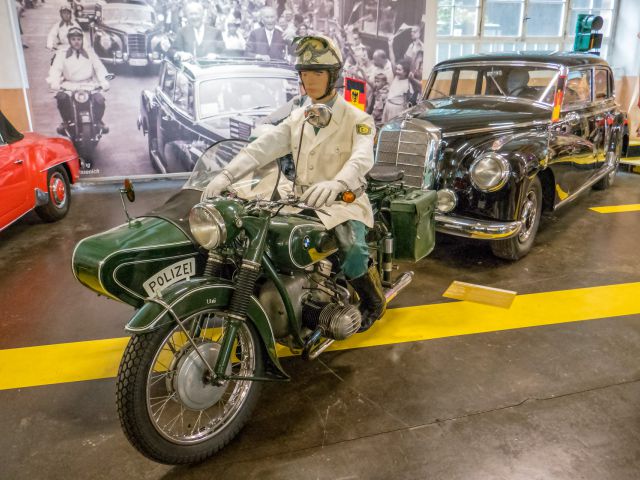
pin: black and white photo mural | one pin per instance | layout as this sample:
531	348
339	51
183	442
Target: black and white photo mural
142	87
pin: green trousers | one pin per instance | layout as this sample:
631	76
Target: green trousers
351	236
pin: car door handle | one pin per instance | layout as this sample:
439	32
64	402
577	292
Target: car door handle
18	162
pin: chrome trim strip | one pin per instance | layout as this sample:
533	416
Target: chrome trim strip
480	229
537	123
486	63
606	171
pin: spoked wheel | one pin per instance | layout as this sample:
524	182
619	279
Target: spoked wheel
167	408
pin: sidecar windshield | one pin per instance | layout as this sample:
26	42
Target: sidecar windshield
258	184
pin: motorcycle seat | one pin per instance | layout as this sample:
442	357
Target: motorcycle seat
385	174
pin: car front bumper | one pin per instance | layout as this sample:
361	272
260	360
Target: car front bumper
474	228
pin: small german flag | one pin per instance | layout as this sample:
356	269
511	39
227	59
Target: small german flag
355	92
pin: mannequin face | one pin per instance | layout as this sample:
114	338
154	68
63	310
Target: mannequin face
315	82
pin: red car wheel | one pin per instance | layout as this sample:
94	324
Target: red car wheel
59	195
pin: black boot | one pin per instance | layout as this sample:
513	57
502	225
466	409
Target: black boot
372	301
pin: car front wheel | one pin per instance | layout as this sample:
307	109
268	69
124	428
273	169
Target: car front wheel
530	210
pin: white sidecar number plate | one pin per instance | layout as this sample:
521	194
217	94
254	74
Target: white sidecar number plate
168	276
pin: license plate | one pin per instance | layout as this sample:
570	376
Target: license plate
138	62
168	276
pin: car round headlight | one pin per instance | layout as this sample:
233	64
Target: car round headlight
106	42
207	225
490	172
447	200
81	96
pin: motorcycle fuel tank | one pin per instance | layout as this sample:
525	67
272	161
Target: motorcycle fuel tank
297	241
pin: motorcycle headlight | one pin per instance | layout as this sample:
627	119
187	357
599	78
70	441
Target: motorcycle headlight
207	225
81	96
106	42
490	172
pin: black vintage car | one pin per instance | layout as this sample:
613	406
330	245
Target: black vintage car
198	104
128	33
503	137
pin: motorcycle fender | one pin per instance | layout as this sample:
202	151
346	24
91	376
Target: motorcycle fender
187	297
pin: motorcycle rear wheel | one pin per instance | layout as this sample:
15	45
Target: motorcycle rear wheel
166	410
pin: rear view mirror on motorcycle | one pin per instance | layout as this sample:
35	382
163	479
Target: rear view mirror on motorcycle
130	193
318	115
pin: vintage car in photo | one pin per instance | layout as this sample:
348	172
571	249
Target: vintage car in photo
196	105
128	33
35	173
504	137
84	11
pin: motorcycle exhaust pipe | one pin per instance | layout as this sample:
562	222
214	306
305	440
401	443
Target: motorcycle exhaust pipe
402	281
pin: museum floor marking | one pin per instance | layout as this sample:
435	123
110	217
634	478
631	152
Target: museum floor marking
617	208
90	360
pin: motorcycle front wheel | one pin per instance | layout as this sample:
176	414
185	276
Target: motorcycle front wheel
167	410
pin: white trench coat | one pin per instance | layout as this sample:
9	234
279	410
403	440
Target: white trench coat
343	150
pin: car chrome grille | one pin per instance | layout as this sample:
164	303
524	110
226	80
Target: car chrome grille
137	45
413	149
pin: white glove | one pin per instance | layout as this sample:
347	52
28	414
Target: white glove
322	193
216	186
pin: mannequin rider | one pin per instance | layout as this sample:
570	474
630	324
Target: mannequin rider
331	160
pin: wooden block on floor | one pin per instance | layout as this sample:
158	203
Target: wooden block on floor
480	294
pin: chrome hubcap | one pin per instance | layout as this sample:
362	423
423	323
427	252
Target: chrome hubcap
189	379
58	190
612	159
528	216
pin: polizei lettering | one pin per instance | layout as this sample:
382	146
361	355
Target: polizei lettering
169	275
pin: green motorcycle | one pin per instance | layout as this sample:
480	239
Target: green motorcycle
219	284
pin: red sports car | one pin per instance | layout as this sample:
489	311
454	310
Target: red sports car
35	172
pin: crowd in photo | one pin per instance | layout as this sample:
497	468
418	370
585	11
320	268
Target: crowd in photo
265	30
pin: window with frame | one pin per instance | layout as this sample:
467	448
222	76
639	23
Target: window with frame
578	89
168	80
514	25
601	86
183	94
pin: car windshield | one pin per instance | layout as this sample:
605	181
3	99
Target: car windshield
230	95
520	81
258	184
127	15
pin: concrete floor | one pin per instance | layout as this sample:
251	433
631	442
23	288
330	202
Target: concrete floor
553	402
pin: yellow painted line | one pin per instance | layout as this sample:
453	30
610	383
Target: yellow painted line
480	294
617	208
72	362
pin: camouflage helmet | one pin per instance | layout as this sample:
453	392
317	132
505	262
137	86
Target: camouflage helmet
317	52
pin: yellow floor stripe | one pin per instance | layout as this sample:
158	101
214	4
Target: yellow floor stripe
71	362
617	208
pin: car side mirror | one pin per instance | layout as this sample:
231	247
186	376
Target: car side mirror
110	76
318	114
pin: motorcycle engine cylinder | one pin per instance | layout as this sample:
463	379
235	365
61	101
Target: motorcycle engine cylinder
339	321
